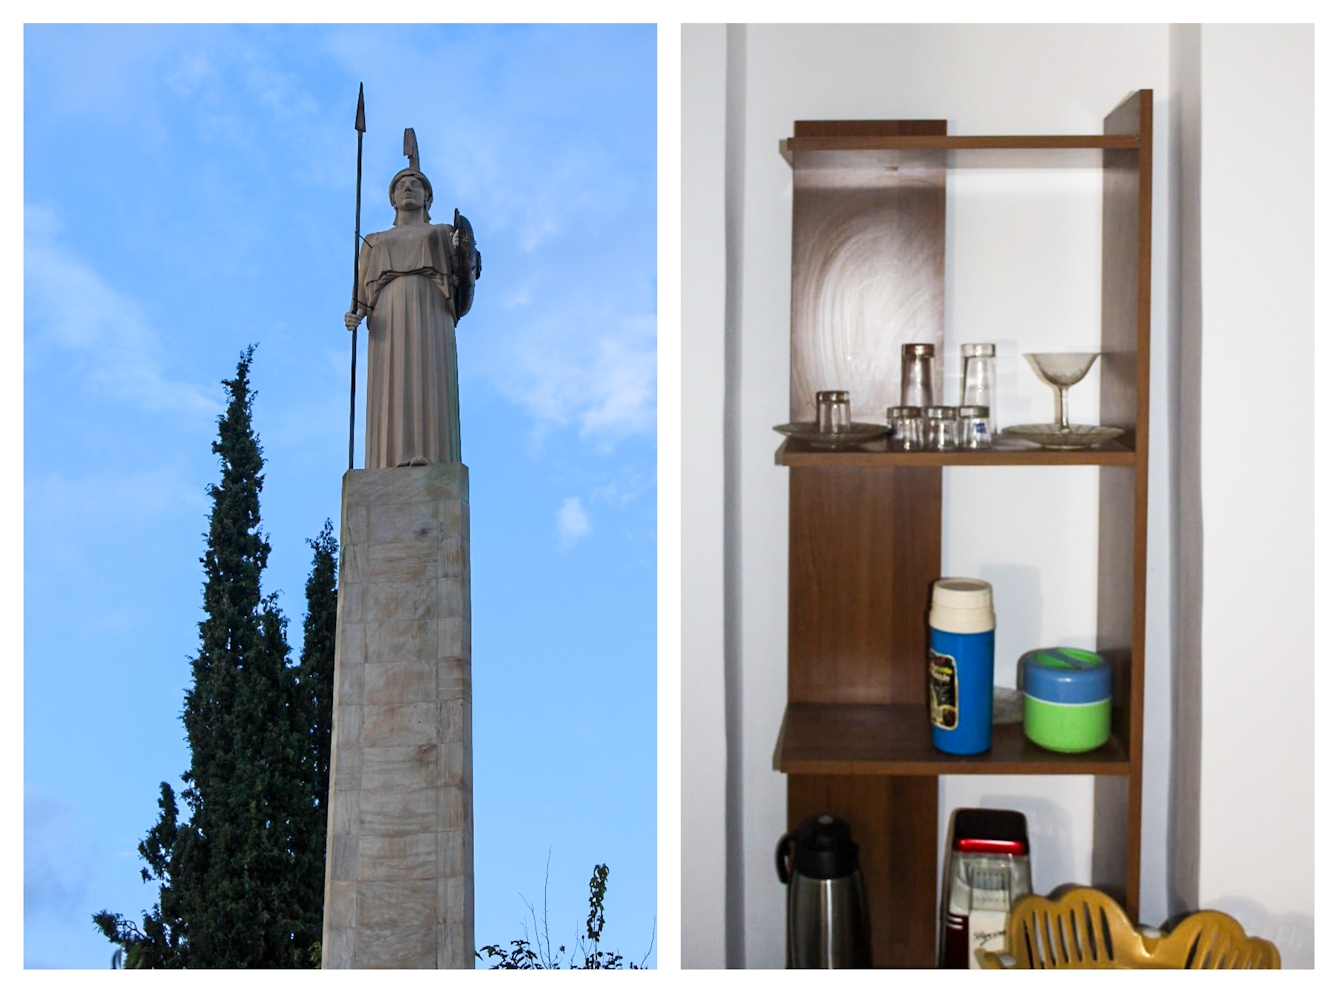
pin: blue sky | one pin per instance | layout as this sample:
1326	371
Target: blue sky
188	191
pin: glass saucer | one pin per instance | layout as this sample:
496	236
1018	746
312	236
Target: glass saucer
1076	438
857	434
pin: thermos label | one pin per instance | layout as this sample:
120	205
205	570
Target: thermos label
942	690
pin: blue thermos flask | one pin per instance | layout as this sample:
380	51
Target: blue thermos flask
961	665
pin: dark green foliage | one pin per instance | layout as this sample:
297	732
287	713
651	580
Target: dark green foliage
539	955
316	688
242	878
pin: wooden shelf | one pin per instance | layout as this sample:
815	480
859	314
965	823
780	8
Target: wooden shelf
796	453
954	151
865	536
844	739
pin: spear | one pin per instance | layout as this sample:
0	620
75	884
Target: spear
359	125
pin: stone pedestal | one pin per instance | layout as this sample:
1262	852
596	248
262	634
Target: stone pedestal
399	870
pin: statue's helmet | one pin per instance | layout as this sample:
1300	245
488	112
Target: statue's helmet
427	186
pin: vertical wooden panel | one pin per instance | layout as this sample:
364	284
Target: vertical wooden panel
1126	295
868	263
864	551
894	820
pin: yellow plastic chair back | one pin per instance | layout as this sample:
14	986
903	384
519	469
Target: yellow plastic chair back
1086	929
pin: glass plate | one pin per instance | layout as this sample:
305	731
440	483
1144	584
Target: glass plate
1076	438
857	434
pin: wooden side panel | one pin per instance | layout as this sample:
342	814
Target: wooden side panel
1122	581
867	270
864	552
894	821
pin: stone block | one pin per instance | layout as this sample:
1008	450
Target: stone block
399	724
344	806
404	903
343	855
352	604
401	602
452	517
452	600
452	557
453	637
350	644
403	522
400	682
452	810
347	730
451	853
396	948
450	898
451	721
403	767
337	948
456	951
454	680
416	561
346	768
451	764
409	856
401	641
352	528
398	812
341	904
348	687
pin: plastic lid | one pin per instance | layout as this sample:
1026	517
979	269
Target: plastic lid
903	412
977	349
917	349
1065	675
940	413
835	396
976	411
963	594
823	848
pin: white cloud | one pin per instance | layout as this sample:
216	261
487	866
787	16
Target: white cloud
604	383
573	524
71	308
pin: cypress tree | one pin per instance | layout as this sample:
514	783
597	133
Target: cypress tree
316	682
241	880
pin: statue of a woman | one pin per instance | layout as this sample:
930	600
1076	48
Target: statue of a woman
414	282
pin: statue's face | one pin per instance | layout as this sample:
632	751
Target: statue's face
410	193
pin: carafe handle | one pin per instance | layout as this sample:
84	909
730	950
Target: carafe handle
782	866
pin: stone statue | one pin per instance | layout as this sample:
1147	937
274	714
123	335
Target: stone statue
415	282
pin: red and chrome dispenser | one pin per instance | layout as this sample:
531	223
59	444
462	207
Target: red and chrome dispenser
989	867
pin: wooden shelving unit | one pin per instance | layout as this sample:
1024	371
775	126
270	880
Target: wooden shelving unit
865	524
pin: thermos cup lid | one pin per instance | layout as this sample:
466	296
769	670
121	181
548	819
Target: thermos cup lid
1065	675
962	606
823	848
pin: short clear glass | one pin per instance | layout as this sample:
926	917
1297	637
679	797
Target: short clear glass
973	428
907	424
941	429
833	411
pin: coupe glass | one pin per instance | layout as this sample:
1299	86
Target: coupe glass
1062	370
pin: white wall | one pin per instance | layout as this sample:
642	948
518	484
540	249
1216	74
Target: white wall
703	603
1256	827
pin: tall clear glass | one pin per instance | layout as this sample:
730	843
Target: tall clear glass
978	380
917	375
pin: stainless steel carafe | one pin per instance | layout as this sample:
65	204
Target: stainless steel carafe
827	913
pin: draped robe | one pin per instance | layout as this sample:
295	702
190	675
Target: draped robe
413	393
